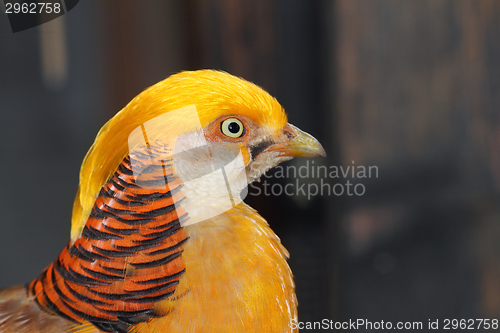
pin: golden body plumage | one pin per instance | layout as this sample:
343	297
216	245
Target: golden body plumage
237	279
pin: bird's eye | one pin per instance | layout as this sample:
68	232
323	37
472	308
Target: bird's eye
232	128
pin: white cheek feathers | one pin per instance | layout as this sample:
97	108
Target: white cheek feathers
213	176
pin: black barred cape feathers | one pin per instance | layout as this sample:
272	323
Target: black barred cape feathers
129	254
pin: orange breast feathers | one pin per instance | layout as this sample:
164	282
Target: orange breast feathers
236	280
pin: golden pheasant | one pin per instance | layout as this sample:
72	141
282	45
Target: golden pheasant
160	239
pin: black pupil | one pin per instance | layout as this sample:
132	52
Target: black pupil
234	127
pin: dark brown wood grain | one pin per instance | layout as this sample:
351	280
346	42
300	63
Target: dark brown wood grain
417	93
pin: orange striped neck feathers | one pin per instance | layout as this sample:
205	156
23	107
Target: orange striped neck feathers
128	256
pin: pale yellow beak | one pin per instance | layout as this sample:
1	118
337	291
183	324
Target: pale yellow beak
301	144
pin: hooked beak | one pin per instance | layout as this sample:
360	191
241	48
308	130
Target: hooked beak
300	144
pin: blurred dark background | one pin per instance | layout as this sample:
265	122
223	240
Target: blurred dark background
411	87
